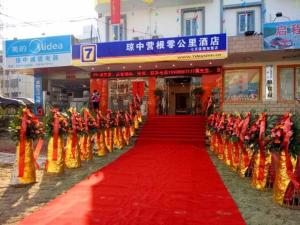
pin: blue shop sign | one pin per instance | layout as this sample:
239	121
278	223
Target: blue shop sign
38	52
38	92
282	35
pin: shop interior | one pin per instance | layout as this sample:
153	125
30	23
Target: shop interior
68	93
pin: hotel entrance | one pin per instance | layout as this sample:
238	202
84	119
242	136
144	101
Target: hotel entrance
163	92
179	95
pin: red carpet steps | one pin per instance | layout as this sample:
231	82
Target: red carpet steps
166	179
179	129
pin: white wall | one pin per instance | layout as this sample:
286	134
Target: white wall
289	8
234	2
230	19
25	85
165	21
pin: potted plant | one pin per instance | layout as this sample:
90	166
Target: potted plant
158	92
197	92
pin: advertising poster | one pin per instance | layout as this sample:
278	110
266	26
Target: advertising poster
283	35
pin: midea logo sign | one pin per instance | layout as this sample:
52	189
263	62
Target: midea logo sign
37	46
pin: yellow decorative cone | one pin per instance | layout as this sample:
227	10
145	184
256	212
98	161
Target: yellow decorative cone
86	148
132	130
29	175
72	159
109	139
212	142
139	115
136	122
260	170
118	139
282	179
100	143
55	166
126	134
245	159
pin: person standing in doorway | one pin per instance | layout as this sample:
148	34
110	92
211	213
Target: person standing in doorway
95	100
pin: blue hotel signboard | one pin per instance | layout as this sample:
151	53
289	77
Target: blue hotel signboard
188	48
38	52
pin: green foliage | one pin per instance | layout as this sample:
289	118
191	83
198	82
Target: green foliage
48	121
198	91
15	126
35	129
271	122
294	147
158	92
2	112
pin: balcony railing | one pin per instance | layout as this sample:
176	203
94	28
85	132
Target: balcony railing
238	44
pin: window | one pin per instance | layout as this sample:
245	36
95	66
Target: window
289	83
116	32
14	94
192	21
14	83
6	84
242	84
245	21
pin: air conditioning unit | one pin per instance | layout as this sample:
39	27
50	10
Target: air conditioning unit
249	33
138	38
156	36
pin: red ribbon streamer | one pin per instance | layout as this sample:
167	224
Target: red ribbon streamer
37	152
22	143
289	166
246	159
262	158
244	127
74	135
55	134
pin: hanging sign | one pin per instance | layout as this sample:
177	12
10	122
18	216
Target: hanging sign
269	82
38	92
282	35
115	6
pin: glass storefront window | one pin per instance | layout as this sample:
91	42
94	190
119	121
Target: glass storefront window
122	90
286	79
242	84
298	83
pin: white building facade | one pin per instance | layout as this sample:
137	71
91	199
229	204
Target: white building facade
270	75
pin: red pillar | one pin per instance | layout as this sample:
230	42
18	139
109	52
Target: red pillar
151	101
101	85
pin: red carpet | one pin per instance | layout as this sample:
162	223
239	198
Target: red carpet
165	180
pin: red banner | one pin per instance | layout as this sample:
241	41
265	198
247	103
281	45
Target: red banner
115	11
138	87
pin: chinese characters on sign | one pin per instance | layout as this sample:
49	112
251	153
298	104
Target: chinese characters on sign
200	47
147	73
283	35
193	44
35	60
38	52
38	92
269	82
